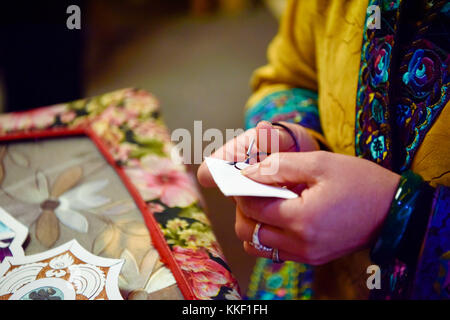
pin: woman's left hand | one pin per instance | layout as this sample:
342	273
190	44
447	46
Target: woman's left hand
343	202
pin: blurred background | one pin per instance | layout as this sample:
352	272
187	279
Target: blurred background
195	56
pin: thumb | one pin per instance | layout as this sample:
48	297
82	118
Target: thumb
286	168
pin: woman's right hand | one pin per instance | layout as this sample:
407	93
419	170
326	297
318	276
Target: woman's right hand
263	133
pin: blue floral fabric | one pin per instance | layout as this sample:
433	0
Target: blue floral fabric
293	105
403	87
404	81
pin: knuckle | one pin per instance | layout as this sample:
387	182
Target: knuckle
320	157
274	208
308	233
318	160
248	208
288	219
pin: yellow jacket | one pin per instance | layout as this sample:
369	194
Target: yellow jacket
318	47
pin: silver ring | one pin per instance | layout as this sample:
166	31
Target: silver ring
276	256
255	239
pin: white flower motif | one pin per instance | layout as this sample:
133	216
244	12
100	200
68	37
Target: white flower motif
70	204
55	273
83	197
61	262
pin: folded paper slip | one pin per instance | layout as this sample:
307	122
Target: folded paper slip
231	182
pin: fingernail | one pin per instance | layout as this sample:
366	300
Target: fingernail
264	123
250	169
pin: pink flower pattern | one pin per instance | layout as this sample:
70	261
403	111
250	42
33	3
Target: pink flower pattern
160	178
205	275
149	167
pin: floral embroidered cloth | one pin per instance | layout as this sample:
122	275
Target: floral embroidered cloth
64	188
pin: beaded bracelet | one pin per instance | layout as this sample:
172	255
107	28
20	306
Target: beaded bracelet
410	188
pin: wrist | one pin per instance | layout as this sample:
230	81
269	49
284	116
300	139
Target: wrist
402	217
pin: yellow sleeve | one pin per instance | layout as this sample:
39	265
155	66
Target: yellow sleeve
291	54
291	70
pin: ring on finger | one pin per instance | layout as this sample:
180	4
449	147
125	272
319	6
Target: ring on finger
276	256
255	239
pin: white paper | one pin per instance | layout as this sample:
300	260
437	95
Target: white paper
233	183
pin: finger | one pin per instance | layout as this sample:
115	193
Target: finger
268	235
282	255
236	149
275	139
233	150
273	211
204	177
288	168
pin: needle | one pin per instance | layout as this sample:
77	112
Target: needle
247	159
250	147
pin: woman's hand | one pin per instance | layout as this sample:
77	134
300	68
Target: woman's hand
342	205
235	149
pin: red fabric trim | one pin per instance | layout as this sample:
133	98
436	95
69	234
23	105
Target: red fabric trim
155	232
45	133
